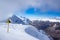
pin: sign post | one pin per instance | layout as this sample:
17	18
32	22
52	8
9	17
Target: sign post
8	21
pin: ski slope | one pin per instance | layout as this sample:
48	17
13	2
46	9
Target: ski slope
20	32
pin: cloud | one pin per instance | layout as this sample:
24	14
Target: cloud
8	7
42	4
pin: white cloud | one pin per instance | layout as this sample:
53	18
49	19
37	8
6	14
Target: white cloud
8	7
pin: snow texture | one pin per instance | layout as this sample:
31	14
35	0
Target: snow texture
20	32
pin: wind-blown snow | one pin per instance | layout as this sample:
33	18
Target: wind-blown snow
18	32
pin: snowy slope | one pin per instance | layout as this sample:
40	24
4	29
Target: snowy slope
20	32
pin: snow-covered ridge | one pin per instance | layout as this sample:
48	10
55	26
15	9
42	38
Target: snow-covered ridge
16	32
20	32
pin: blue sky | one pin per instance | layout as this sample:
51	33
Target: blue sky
29	8
39	12
32	12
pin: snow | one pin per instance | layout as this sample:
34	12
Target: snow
34	32
20	32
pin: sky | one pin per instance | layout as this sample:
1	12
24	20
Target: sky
29	8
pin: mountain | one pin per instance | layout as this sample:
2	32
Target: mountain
25	20
19	20
40	24
15	19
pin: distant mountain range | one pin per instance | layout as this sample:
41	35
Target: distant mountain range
24	20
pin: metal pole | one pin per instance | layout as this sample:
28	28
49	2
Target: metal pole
8	27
